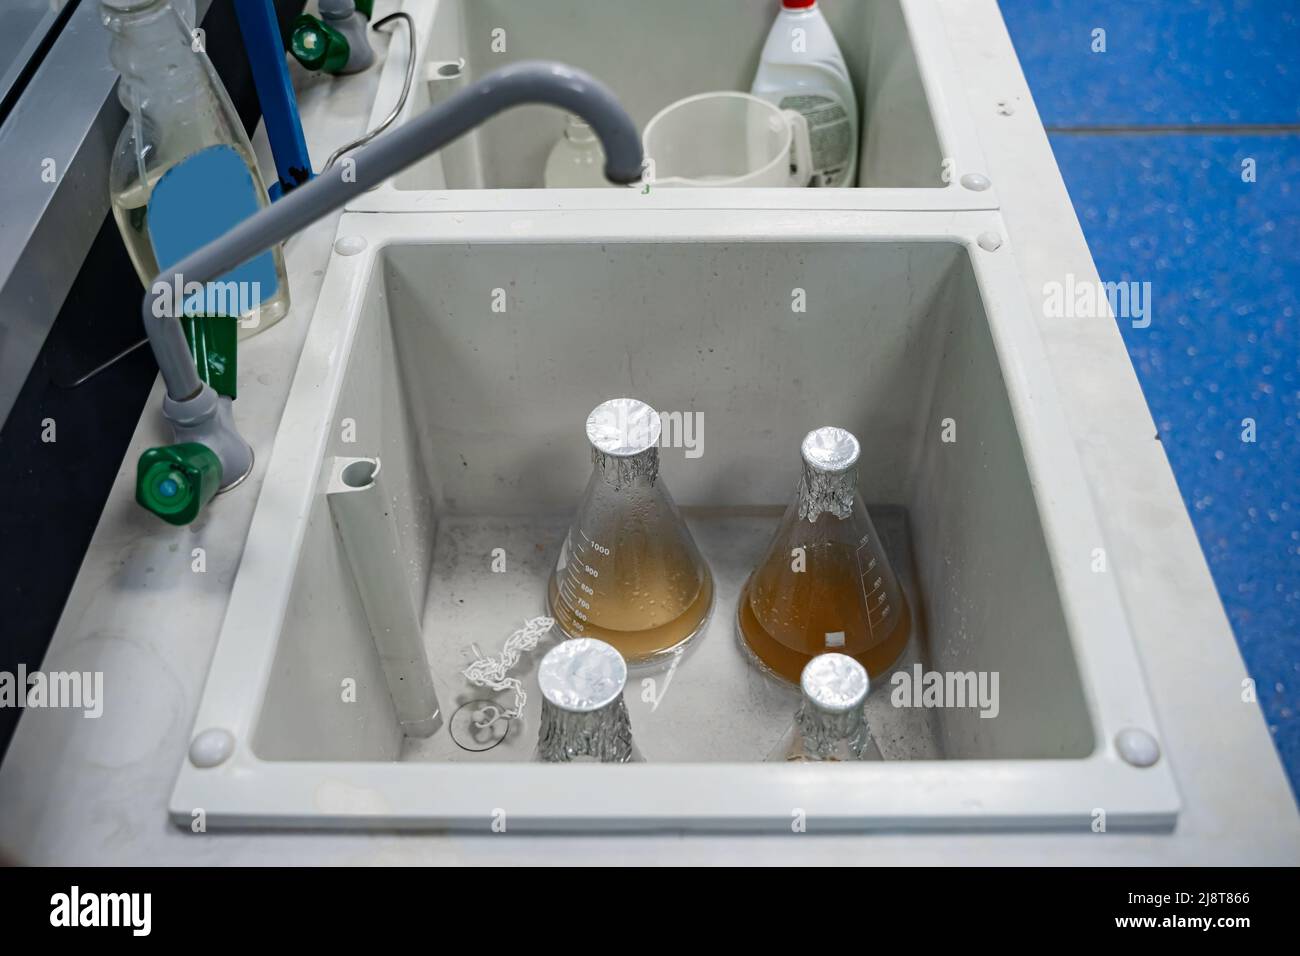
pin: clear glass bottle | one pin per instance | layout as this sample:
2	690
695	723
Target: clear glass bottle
825	583
584	718
177	108
577	160
629	572
831	723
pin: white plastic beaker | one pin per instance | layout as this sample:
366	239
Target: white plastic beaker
727	139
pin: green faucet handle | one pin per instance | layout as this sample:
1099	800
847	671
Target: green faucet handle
176	482
318	46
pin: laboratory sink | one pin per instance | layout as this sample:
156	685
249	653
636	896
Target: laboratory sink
918	146
432	453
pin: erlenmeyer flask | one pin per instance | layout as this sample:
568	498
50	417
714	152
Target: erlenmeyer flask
830	723
825	583
584	718
629	572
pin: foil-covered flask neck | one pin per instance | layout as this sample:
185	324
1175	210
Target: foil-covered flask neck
829	480
621	472
832	713
823	734
624	435
583	714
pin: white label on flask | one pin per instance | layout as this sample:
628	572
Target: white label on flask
835	639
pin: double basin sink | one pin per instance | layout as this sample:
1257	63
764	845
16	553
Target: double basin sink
468	323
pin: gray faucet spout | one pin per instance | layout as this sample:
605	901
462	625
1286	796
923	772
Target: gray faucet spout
193	413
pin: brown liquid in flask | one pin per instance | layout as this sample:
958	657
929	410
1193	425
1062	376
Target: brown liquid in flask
825	584
629	572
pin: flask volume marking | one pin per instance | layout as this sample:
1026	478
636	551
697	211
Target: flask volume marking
571	584
873	595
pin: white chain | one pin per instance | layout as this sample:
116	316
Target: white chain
493	671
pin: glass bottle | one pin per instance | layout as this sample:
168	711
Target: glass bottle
577	160
629	572
830	723
178	112
825	583
584	718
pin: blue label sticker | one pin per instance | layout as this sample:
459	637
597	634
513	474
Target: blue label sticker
196	201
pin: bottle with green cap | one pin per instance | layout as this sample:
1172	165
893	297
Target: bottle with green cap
175	482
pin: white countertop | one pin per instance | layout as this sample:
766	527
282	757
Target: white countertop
81	791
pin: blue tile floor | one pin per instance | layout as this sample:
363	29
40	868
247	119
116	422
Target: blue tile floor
1212	220
1167	62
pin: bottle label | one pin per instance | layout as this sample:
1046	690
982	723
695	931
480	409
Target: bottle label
196	201
830	133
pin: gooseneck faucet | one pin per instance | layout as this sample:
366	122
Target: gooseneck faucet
170	484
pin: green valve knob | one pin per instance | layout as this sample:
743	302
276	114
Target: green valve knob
175	482
317	46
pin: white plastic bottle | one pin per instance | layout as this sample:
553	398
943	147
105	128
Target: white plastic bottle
183	171
803	69
577	160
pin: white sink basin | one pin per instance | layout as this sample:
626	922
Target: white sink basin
918	144
912	333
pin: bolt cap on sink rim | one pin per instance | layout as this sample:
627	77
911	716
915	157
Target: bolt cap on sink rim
1137	747
212	747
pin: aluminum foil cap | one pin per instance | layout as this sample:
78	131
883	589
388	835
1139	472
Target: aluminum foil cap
834	683
624	435
623	427
830	450
582	675
830	476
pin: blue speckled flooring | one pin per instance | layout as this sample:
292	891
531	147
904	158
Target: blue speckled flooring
1166	62
1223	257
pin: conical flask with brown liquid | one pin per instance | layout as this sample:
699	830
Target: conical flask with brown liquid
629	572
825	583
